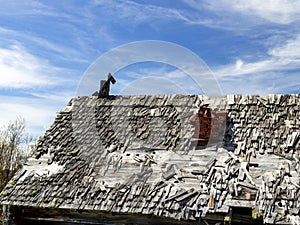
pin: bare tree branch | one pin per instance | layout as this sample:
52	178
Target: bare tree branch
12	154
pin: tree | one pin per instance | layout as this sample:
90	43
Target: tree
10	137
14	149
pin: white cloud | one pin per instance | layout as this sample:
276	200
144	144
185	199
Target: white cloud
241	68
240	16
261	83
291	49
276	11
284	57
273	74
138	13
38	113
58	96
20	69
57	50
151	85
154	78
27	8
238	64
236	15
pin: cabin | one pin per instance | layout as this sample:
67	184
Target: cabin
163	159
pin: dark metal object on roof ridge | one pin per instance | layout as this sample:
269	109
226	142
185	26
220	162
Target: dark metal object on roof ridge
105	86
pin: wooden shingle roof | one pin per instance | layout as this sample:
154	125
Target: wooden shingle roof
134	154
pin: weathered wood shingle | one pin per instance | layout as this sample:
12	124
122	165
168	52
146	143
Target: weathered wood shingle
134	154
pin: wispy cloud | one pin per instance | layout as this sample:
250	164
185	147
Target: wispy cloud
261	83
20	69
275	74
290	50
275	11
154	78
62	96
282	57
41	87
138	13
255	11
27	8
38	113
59	51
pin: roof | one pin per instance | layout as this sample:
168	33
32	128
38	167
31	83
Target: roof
135	154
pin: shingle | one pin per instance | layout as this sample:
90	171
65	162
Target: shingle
88	137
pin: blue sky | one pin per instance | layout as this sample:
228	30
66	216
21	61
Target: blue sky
252	47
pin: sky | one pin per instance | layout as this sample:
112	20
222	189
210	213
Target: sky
47	47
